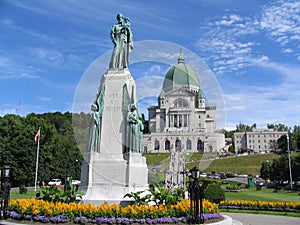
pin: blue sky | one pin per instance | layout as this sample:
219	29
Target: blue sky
251	47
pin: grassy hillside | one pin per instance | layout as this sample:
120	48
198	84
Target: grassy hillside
250	164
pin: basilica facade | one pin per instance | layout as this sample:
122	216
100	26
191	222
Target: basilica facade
182	121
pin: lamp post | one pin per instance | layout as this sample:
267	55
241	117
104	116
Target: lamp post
289	155
5	190
196	197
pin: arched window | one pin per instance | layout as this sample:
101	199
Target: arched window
200	146
177	145
188	145
167	145
156	145
180	103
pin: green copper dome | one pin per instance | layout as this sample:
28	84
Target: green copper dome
181	75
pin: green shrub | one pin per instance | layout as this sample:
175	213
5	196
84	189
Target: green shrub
206	181
53	194
232	187
22	190
214	193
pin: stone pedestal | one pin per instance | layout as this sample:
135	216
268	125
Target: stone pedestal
108	173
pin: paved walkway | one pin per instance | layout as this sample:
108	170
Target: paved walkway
259	219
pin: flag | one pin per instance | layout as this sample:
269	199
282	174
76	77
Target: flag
37	136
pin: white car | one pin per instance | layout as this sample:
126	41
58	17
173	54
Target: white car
76	182
56	182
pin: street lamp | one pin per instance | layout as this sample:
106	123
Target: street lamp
5	190
196	195
289	155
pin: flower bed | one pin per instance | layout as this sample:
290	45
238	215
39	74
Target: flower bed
261	205
43	211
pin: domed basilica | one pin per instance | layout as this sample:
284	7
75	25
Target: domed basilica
182	121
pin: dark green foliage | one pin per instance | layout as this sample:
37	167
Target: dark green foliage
165	196
265	170
50	194
159	195
70	195
206	181
22	190
244	127
58	153
278	169
231	149
277	127
214	193
53	194
228	134
139	197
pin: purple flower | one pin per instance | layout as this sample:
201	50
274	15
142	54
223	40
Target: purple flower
28	217
59	219
81	220
15	215
43	219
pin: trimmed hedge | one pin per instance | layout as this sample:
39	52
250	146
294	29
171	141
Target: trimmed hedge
214	193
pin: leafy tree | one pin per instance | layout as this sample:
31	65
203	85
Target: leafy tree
58	153
277	127
278	169
296	167
273	144
243	127
265	170
231	149
228	134
282	143
296	132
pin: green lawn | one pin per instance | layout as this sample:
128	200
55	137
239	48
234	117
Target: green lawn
17	195
265	194
250	164
156	158
241	165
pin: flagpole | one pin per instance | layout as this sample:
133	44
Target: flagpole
289	155
37	158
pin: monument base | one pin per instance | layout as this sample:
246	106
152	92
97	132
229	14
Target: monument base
109	171
112	180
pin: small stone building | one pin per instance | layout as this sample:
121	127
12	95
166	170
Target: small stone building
258	140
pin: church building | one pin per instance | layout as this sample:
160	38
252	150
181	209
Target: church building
182	121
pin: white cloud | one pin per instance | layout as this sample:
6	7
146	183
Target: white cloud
7	22
227	43
10	69
266	104
46	99
28	76
149	86
281	21
47	56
